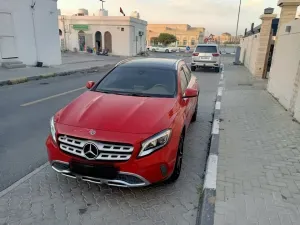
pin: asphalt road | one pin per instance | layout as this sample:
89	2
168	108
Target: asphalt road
25	110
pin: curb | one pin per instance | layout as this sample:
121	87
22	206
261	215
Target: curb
49	75
207	201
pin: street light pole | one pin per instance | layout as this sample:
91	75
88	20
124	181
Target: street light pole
237	23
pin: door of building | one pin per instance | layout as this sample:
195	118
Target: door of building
7	39
108	41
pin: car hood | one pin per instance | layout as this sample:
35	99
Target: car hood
118	113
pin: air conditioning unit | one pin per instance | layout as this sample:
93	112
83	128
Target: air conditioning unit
141	33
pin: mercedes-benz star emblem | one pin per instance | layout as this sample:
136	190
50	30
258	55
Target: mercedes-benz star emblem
92	132
90	151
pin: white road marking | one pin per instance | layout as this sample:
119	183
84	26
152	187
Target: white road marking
22	180
211	172
53	96
222	76
218	105
216	127
220	90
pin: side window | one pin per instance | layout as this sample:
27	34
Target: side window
187	73
183	80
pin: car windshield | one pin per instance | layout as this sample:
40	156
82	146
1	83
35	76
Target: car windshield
143	81
206	49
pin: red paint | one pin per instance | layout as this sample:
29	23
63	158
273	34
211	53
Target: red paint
90	84
127	119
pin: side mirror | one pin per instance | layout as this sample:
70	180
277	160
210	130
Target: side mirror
90	84
190	93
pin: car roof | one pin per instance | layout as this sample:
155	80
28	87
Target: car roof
158	63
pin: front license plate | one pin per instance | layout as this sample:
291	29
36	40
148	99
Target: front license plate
91	170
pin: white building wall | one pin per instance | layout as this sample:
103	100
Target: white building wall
47	35
284	81
123	42
45	47
297	106
249	48
139	43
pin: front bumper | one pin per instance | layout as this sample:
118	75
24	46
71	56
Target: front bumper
124	179
135	172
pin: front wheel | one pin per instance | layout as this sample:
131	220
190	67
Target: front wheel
178	164
167	51
217	69
193	68
194	118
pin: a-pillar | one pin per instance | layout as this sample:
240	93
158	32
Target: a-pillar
264	41
288	11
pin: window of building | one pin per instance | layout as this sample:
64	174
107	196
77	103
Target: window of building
184	42
122	29
193	42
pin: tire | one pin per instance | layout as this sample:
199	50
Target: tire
167	51
217	69
193	68
153	50
194	117
177	169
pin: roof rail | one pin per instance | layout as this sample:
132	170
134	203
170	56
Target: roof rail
177	62
124	61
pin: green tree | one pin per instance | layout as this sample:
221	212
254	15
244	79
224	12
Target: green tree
166	38
154	40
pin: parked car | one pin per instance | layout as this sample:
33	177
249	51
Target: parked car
161	49
206	55
128	129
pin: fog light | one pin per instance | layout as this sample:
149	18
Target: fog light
60	166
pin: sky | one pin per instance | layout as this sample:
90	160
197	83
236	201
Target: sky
217	16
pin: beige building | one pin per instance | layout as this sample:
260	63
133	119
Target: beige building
186	35
284	80
226	38
284	72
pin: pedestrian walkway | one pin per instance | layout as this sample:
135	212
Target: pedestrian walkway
258	181
70	62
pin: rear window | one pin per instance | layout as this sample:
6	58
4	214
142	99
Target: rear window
206	49
148	82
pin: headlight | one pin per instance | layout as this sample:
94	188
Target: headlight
52	128
155	142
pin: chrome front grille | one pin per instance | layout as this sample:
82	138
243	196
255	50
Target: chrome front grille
106	151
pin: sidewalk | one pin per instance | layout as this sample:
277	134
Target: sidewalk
71	63
258	179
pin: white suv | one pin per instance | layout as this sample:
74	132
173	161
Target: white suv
206	55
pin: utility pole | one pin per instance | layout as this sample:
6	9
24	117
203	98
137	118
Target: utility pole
102	3
237	23
237	51
176	36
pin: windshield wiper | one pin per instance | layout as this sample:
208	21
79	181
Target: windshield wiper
123	93
138	94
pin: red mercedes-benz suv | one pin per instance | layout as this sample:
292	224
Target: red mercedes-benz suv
128	129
